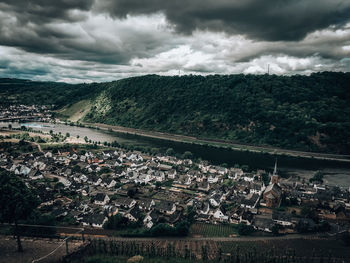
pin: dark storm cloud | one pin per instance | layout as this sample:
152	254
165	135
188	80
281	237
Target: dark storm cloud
99	40
43	11
270	20
54	31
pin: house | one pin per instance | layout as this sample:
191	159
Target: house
94	220
215	200
35	174
282	219
112	210
125	203
109	182
203	217
184	179
146	204
248	177
257	188
235	173
172	174
263	223
22	170
250	200
203	186
200	207
101	199
213	179
151	218
166	207
133	214
159	176
164	167
220	216
143	179
246	217
273	195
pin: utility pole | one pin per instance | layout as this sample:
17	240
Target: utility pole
268	69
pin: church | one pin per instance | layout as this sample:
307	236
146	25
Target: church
273	192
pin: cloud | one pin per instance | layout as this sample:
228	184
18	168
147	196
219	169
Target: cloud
102	40
97	38
272	20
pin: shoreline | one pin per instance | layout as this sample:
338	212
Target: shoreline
219	143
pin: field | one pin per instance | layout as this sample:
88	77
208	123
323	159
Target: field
33	249
277	251
209	230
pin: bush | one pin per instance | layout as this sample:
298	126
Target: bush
245	230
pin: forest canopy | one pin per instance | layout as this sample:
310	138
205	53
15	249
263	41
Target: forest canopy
295	112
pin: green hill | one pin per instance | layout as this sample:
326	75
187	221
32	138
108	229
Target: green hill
296	112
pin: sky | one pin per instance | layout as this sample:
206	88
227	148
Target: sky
102	40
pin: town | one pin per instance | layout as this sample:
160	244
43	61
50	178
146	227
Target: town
24	112
89	187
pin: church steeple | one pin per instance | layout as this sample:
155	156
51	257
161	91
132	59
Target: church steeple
274	177
275	170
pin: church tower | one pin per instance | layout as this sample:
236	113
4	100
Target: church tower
274	177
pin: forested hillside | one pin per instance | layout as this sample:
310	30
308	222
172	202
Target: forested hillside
297	112
45	93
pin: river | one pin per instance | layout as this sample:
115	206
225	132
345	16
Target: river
336	172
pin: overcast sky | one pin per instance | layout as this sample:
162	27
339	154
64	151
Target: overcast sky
103	40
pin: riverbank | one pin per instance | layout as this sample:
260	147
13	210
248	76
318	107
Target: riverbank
224	144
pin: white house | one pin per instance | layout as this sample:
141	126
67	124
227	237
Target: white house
219	215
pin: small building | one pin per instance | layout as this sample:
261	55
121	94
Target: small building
101	199
166	207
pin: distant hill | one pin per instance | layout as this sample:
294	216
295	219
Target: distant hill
296	112
45	93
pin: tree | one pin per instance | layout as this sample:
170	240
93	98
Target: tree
59	186
318	177
275	230
187	155
67	134
245	168
244	230
131	192
170	151
158	184
17	201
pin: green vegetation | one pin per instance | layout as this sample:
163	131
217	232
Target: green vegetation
295	112
210	230
13	91
17	201
318	177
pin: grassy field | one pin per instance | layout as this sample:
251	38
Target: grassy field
208	230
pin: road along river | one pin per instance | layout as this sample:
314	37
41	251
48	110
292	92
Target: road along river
336	172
